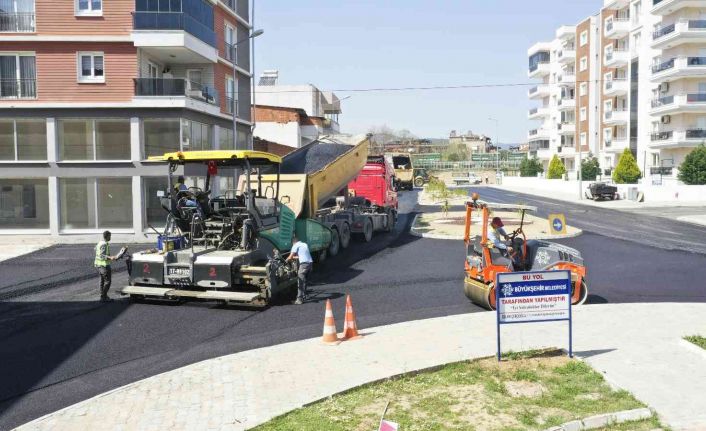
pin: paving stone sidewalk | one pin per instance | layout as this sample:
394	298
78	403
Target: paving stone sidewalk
637	347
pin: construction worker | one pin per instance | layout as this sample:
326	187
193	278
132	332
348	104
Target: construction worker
102	264
497	237
300	252
179	186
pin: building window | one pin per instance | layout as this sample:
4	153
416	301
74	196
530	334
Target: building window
17	16
95	203
583	38
608	136
231	49
583	89
24	203
90	67
160	136
636	12
94	139
582	139
196	136
225	139
23	139
582	114
18	76
89	7
231	96
583	64
608	106
154	213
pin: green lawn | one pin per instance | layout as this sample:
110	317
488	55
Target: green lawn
528	391
698	340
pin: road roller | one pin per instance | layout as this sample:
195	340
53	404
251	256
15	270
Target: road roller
484	261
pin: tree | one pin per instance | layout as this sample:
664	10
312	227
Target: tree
627	171
693	169
530	167
556	168
590	168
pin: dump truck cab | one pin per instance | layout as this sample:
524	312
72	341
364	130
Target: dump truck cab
226	247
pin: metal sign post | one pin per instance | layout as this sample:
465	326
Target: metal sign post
537	296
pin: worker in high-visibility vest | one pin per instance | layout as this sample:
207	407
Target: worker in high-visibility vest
102	264
179	186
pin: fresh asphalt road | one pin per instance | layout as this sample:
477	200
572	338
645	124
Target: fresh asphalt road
59	346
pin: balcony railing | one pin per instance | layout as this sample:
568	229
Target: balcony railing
695	133
696	61
565	100
18	88
662	101
17	22
667	29
663	66
533	111
696	97
608	115
536	65
697	24
533	132
661	136
533	90
230	104
174	21
661	170
231	53
175	87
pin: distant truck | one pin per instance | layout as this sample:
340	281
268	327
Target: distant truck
374	187
404	172
465	178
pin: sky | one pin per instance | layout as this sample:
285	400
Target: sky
365	44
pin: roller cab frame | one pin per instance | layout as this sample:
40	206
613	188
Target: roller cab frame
483	261
227	247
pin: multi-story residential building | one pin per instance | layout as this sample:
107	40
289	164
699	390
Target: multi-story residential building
90	89
641	85
294	115
475	144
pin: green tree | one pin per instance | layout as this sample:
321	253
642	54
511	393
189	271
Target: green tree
627	171
453	157
556	168
589	168
530	167
693	169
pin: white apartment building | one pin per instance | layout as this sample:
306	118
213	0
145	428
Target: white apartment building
640	68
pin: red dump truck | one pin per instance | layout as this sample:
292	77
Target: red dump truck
374	187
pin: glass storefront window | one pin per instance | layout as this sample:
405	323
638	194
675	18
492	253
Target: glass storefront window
154	213
24	204
160	136
23	140
225	139
196	136
104	139
95	203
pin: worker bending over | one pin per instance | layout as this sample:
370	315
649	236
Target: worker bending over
300	252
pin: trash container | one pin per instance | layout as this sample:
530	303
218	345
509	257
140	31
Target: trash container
632	193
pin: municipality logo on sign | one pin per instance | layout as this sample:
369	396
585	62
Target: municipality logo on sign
507	289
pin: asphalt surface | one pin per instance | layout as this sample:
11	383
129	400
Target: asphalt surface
59	346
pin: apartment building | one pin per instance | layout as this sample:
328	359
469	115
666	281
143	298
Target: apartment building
641	84
90	89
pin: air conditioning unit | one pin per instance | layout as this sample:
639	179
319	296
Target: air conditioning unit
664	87
666	119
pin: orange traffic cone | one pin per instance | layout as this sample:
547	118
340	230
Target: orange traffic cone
350	328
330	336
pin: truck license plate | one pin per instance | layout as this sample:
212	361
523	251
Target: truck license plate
181	272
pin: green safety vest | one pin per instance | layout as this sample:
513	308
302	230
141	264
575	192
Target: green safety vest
99	261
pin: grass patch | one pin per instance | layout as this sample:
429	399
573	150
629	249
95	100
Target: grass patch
528	391
698	340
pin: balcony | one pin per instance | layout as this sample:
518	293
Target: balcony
230	103
16	89
616	58
538	70
566	128
231	53
615	4
539	92
565	104
537	113
678	138
616	144
239	7
616	87
175	37
668	7
538	135
567	55
616	28
616	117
17	22
678	33
680	103
176	92
679	67
567	78
566	32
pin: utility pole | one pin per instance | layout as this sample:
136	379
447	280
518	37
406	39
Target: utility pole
497	149
234	102
580	171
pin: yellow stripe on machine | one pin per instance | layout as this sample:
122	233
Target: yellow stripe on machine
217	155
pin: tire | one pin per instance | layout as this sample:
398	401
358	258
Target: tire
584	293
335	245
390	225
419	182
345	235
367	233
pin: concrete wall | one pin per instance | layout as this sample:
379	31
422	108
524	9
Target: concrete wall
280	133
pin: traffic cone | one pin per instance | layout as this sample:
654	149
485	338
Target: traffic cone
350	328
330	336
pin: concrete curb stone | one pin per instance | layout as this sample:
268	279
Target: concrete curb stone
604	420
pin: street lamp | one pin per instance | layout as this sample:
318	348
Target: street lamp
497	148
254	34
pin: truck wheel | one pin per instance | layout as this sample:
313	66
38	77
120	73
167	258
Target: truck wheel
389	221
367	234
345	235
419	182
335	245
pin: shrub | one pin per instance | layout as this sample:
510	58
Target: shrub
693	169
627	171
556	168
590	168
530	167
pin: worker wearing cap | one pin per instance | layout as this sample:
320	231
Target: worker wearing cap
102	264
300	252
179	186
497	237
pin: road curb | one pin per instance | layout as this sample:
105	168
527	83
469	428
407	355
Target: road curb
413	230
604	420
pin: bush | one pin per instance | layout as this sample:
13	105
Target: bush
590	168
530	167
693	169
627	171
556	168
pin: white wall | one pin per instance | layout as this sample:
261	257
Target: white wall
280	133
305	97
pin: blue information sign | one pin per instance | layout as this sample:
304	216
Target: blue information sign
537	296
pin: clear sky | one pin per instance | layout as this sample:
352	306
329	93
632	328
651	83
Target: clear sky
361	44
